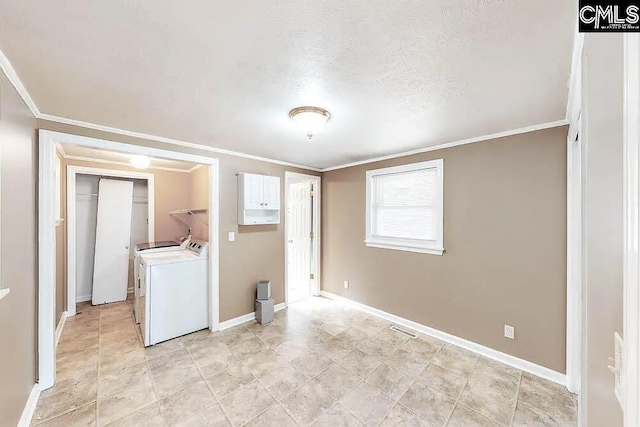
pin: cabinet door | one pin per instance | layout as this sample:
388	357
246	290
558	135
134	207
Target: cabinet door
271	190
253	191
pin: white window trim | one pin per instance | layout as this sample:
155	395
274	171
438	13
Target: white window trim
408	245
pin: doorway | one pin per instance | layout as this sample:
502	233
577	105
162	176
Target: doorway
47	220
302	236
82	203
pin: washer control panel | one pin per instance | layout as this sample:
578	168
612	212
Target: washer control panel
198	247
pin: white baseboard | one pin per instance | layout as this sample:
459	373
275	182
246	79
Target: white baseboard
246	318
84	298
507	359
60	327
30	407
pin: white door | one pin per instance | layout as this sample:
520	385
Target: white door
271	191
113	237
253	193
299	241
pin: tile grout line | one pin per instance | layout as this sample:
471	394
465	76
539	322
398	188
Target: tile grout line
98	373
430	362
270	347
34	424
141	342
455	406
217	401
309	379
153	384
515	409
364	378
276	400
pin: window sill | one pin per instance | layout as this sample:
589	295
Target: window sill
4	292
431	251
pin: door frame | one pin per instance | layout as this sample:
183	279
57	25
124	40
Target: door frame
574	262
72	172
289	178
631	197
575	225
48	141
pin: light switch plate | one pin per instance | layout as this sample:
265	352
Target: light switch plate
232	236
346	284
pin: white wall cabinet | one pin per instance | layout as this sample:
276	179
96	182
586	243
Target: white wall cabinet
258	199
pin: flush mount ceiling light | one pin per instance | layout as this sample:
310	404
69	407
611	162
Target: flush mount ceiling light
140	162
310	119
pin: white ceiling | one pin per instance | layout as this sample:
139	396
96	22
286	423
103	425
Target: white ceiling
395	75
115	157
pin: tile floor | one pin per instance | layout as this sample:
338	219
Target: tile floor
319	363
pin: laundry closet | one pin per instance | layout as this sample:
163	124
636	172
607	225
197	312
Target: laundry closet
117	212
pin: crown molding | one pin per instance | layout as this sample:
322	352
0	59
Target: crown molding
171	141
512	132
11	74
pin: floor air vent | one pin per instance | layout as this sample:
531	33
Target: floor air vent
403	332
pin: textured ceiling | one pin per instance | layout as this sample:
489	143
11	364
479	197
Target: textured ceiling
77	151
396	75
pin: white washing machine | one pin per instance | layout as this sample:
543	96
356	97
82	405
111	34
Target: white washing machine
173	297
148	248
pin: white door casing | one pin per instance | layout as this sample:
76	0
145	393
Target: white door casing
113	238
631	266
299	241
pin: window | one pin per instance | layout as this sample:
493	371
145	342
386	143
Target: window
405	207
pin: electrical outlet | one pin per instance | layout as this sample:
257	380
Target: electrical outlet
346	284
509	332
232	236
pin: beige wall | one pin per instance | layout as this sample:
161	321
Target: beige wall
602	112
18	316
258	251
200	200
505	242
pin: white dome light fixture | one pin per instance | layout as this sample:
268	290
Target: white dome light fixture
140	162
310	120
